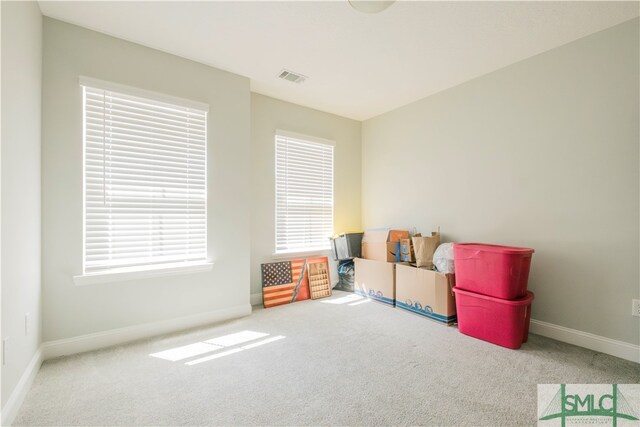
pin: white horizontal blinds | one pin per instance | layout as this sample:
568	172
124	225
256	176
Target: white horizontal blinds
304	194
144	181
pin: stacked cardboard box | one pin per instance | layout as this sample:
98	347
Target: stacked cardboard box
375	280
383	244
426	293
381	276
375	271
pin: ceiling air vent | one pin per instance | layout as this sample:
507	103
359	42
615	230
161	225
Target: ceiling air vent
291	76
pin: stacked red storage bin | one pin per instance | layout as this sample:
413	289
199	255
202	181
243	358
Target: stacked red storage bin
492	300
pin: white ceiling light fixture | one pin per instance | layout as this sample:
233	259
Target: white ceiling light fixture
371	6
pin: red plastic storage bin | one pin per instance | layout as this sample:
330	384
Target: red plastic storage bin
497	271
498	321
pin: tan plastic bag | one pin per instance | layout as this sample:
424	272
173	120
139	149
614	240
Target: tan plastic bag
424	247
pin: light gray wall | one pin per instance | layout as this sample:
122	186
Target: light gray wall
544	154
269	114
70	310
20	216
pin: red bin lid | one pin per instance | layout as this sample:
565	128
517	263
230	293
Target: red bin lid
511	250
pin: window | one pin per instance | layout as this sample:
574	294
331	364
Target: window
304	193
145	179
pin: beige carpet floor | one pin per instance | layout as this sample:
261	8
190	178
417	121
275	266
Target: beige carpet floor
326	362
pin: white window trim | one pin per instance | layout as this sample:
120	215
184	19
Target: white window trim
157	270
311	252
117	87
305	138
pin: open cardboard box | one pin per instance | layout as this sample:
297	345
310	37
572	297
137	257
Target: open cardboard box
375	280
426	293
383	244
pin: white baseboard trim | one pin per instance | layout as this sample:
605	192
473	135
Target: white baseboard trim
256	299
594	342
14	402
112	337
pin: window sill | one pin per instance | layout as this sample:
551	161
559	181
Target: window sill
130	274
302	254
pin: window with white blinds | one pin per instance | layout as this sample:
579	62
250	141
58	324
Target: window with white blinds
145	186
304	193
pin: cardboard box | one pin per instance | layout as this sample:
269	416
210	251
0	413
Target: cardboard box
398	235
426	293
406	257
375	280
406	251
382	244
381	251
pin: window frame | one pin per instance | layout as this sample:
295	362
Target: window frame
310	140
171	267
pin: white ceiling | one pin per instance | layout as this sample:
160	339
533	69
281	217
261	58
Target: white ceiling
359	65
